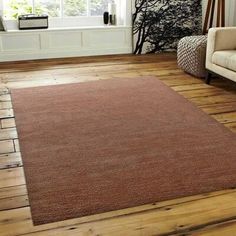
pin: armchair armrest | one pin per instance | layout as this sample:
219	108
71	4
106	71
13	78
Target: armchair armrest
220	39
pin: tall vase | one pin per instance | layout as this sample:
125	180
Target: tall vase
112	8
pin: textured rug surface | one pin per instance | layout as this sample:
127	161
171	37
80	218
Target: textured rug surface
99	146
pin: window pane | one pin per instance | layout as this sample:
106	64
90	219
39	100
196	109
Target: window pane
13	8
75	7
98	7
49	7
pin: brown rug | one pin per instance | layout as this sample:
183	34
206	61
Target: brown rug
105	145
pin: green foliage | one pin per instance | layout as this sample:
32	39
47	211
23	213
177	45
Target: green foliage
98	7
14	8
75	7
51	8
17	7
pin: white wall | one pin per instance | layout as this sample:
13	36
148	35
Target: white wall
126	6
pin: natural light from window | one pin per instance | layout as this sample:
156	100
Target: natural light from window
54	8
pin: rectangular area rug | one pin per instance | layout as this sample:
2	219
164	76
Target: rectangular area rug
99	146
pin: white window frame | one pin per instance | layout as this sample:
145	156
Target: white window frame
62	4
123	18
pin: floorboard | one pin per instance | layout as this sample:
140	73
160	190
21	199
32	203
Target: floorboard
206	214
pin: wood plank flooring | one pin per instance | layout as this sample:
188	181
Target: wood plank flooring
212	214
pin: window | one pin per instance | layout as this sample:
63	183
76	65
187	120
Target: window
54	8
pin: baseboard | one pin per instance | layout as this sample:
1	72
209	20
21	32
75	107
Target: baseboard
48	55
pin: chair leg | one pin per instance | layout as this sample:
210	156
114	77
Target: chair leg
208	77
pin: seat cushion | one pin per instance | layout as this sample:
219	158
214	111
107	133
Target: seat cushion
226	59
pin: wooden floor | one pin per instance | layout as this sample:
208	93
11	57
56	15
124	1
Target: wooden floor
208	214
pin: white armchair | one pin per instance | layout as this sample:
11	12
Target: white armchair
221	53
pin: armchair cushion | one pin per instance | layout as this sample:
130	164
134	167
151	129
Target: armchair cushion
226	59
221	45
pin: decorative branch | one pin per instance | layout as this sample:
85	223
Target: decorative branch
159	24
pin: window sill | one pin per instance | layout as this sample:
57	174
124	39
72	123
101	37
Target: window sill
51	29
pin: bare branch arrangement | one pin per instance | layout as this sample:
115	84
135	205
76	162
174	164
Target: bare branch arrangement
159	24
